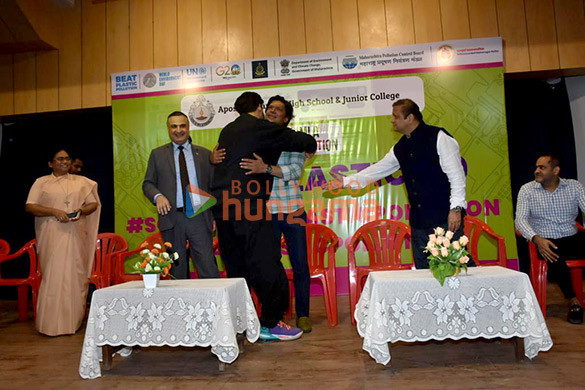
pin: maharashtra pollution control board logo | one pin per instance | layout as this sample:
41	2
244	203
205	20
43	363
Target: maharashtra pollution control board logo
349	62
149	80
201	112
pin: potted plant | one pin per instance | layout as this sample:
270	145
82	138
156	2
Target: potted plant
155	261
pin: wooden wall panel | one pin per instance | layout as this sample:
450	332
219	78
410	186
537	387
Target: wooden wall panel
70	58
165	33
399	22
318	26
214	30
239	30
291	27
6	85
542	34
344	23
44	17
25	99
97	38
48	81
189	30
372	23
265	28
483	18
117	40
93	56
141	35
455	19
427	21
570	21
512	25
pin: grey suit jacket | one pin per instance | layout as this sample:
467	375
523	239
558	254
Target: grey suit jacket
161	178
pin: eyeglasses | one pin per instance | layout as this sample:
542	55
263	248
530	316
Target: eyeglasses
62	159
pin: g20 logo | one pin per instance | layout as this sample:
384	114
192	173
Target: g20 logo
226	70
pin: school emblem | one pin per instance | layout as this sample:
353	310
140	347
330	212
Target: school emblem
201	112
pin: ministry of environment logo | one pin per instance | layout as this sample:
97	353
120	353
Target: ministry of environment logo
197	201
259	69
284	70
349	62
201	112
149	80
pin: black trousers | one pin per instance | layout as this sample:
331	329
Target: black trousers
250	250
571	247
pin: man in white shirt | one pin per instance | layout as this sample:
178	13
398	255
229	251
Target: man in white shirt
431	166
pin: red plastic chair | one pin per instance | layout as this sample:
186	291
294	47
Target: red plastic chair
120	275
108	246
4	247
539	270
473	228
383	240
321	241
33	280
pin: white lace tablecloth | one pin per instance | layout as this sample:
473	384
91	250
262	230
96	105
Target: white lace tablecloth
204	312
488	302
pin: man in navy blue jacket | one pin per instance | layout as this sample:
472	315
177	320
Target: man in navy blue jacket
433	174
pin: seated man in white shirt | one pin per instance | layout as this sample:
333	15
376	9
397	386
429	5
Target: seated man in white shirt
431	166
545	214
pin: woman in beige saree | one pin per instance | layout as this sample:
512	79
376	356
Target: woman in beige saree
66	209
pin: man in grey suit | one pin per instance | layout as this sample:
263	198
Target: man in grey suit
171	168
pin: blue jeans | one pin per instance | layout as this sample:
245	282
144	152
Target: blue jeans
295	236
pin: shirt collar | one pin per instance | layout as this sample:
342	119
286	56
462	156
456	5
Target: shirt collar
562	183
185	145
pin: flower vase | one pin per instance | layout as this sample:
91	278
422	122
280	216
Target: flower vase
150	280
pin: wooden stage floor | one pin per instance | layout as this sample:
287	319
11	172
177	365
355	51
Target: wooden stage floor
329	358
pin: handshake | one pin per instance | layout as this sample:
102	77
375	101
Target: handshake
335	184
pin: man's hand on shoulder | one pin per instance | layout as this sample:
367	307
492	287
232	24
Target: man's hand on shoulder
256	165
545	248
163	206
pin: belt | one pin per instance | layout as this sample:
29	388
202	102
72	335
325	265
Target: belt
180	209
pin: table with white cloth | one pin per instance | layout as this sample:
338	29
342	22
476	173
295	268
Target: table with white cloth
487	302
189	313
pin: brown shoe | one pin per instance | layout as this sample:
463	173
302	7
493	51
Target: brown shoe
575	315
304	323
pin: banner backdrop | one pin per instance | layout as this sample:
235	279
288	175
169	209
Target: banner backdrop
343	99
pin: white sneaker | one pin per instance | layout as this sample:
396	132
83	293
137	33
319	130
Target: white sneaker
124	352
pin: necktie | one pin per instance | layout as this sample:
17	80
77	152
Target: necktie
184	173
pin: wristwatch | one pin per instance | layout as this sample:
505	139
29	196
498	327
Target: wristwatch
269	169
457	209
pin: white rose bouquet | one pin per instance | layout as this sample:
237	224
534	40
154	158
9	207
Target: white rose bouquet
446	257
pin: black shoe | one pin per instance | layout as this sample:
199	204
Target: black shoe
575	315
